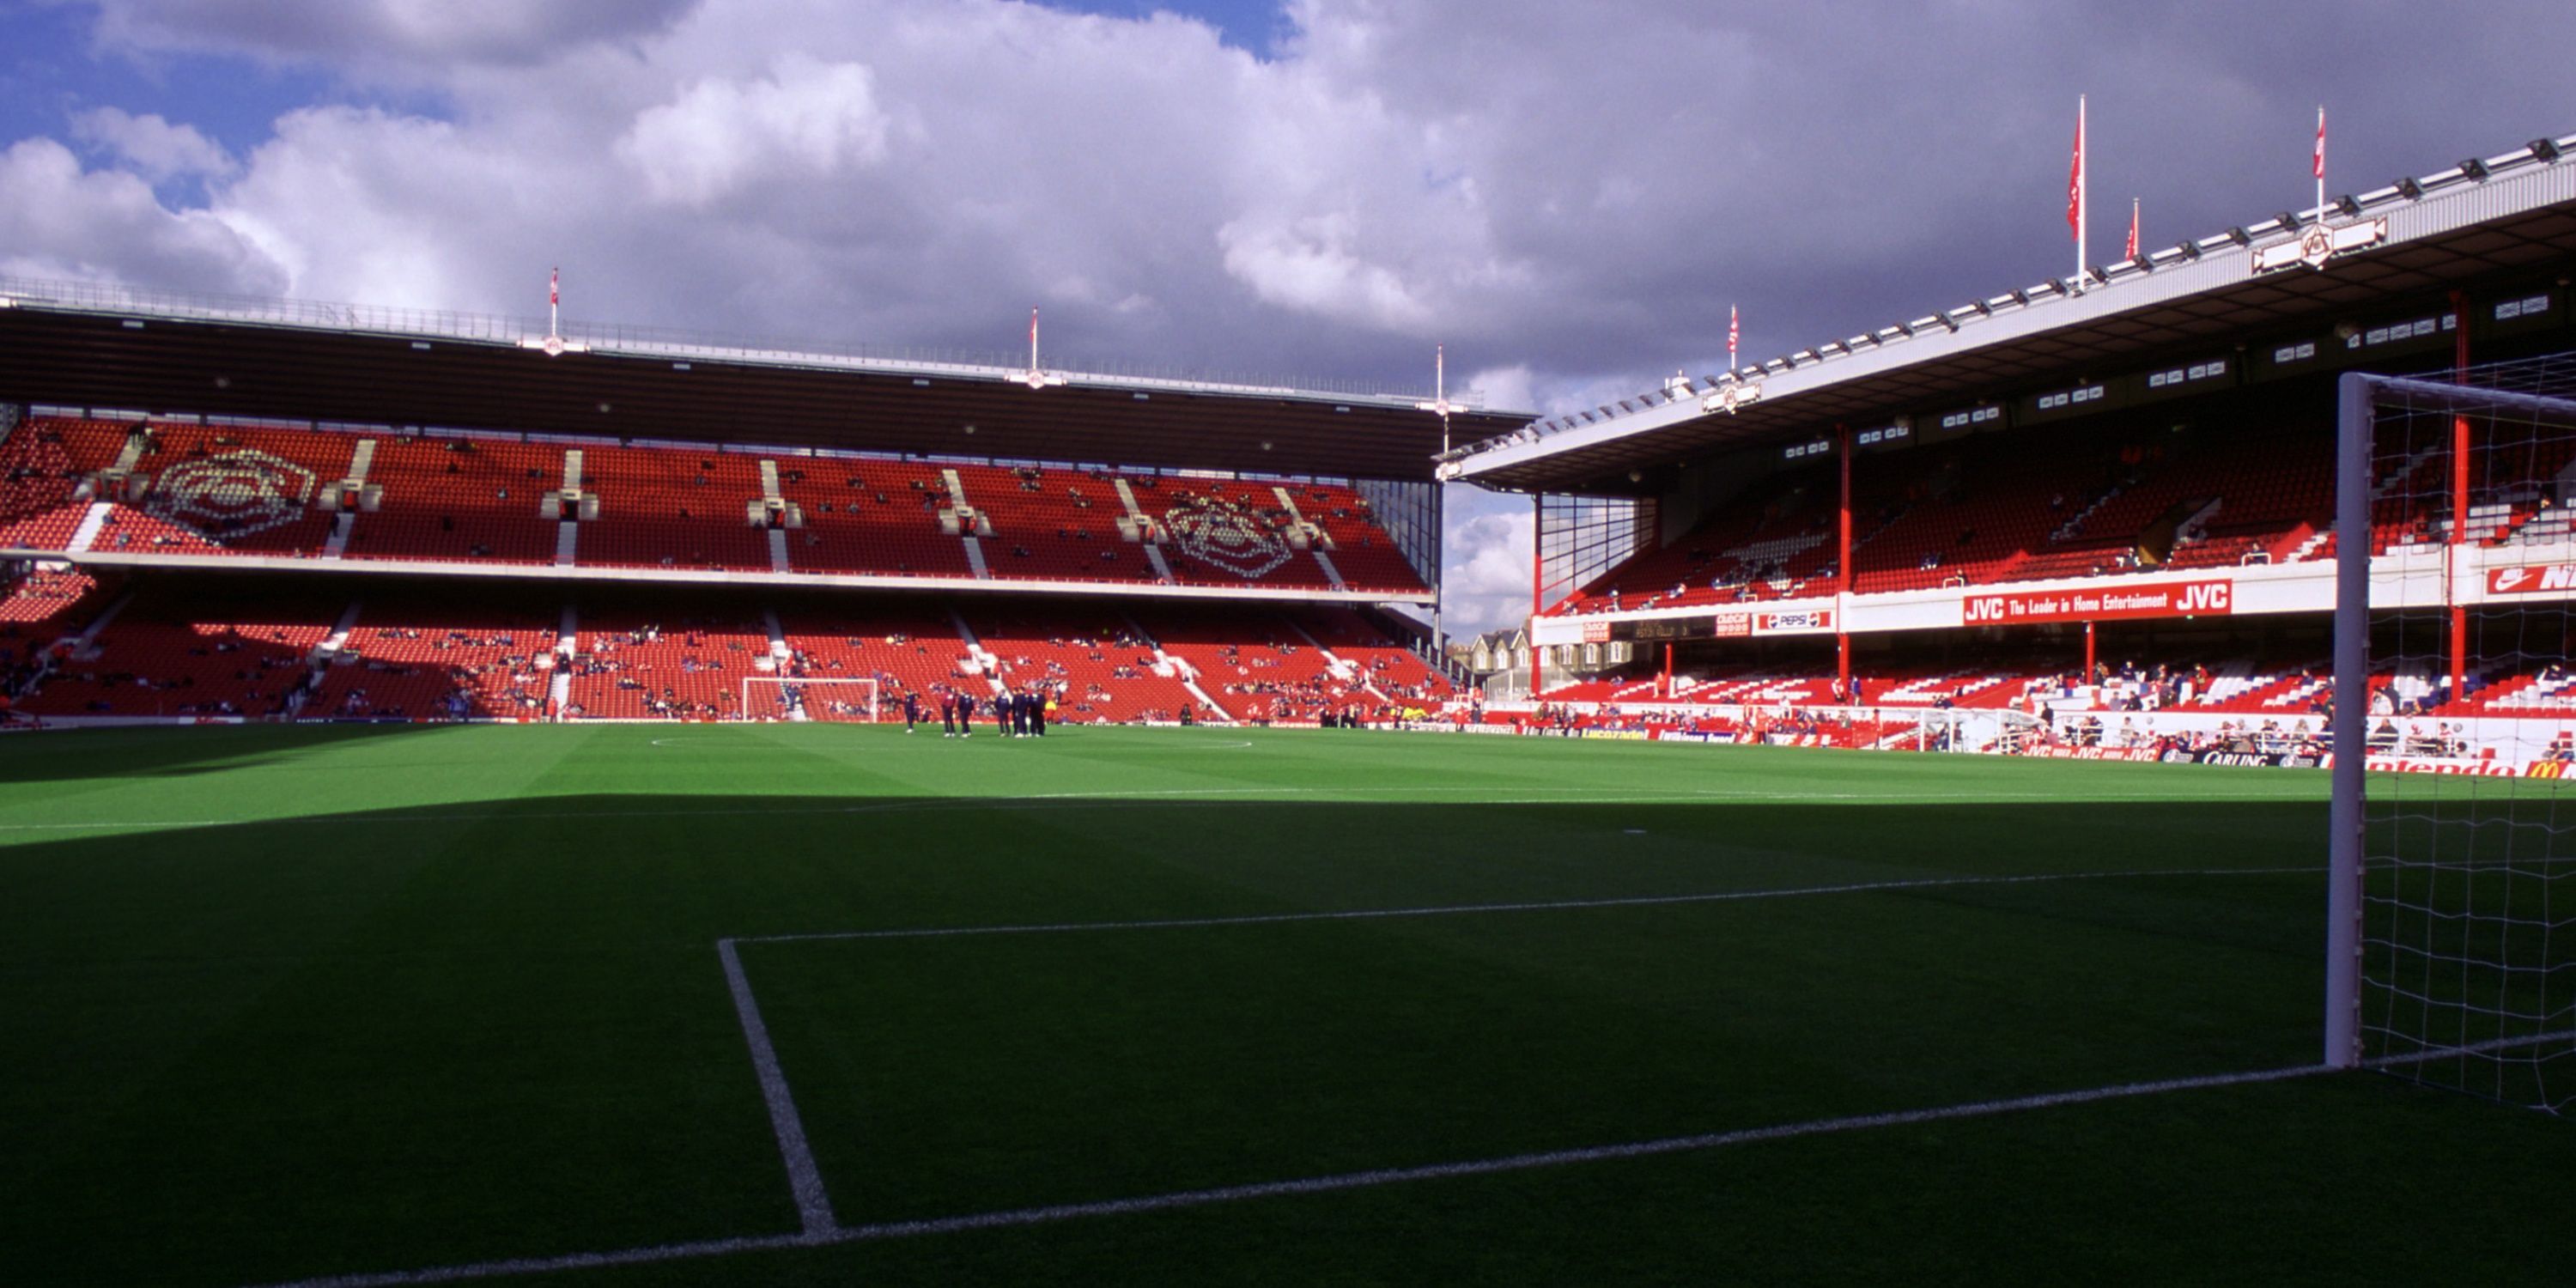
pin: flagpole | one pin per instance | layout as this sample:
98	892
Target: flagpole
2083	191
2320	166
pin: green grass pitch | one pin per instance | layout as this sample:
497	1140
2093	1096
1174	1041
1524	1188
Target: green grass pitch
288	1003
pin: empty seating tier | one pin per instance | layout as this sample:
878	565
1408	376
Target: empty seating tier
380	496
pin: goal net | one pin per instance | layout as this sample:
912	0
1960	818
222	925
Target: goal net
783	697
2452	938
1975	732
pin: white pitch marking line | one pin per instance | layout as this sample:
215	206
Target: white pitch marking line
831	1234
568	1261
1304	1185
813	1205
1558	1157
1451	910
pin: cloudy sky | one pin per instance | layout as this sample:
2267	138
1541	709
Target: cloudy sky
1569	195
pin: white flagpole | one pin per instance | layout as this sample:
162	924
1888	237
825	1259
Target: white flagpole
2083	192
1440	391
2320	166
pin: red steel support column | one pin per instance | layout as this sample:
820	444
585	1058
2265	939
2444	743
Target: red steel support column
2459	507
1538	568
1843	573
1668	672
2088	654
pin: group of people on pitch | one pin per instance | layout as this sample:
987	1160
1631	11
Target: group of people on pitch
1017	713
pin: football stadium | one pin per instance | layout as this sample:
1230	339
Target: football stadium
2064	785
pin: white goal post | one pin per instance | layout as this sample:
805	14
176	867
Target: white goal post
2451	912
844	699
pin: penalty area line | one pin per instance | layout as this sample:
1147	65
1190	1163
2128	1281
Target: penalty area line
804	1178
1551	905
1370	1179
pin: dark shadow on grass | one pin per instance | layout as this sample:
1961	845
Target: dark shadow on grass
423	1036
68	753
433	1035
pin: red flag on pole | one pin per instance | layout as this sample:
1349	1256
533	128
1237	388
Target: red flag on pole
1733	331
2133	228
2075	182
2318	162
554	288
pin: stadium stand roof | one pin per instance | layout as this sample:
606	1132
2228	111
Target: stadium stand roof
93	345
2475	220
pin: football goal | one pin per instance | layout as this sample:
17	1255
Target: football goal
2451	944
785	697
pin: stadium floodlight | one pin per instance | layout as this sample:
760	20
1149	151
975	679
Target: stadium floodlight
2474	169
2449	932
2544	149
2410	188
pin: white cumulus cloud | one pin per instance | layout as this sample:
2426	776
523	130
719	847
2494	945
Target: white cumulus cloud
149	145
379	33
63	221
1485	550
802	122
